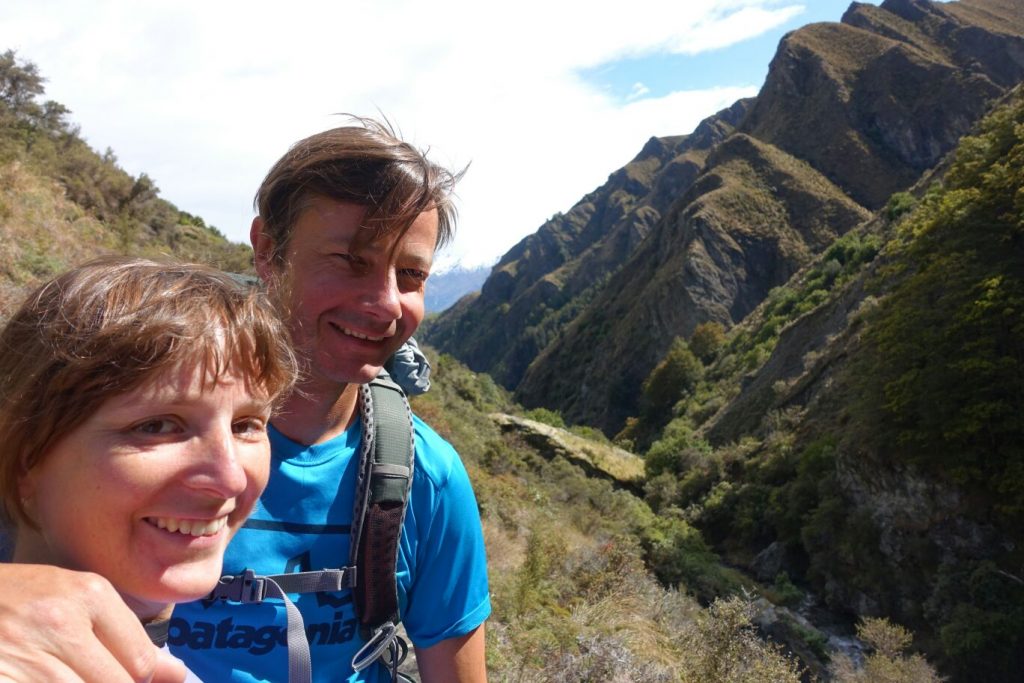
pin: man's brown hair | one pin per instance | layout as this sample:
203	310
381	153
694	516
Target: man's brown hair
366	164
109	326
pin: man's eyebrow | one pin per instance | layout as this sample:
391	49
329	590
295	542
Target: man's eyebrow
416	259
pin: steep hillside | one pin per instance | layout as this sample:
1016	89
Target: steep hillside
888	91
61	202
861	432
864	107
751	220
543	282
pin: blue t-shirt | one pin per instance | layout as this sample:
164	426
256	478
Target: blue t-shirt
302	523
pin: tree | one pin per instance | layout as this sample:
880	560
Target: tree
670	380
707	339
20	84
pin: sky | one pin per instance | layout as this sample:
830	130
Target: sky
542	99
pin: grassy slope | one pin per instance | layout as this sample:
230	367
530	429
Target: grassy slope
570	560
62	202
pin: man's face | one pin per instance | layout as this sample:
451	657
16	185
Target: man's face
349	308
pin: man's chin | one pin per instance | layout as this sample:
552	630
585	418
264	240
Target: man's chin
353	375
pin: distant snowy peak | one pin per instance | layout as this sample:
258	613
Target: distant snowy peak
444	289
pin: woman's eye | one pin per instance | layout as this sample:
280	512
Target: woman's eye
252	426
156	426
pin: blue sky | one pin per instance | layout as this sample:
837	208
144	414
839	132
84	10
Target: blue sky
741	64
542	99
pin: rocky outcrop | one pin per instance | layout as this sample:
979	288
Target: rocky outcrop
600	460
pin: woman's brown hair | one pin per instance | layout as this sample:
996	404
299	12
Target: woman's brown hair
109	326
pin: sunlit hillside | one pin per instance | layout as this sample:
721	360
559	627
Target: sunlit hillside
62	202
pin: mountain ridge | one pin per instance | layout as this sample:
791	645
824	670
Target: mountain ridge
869	104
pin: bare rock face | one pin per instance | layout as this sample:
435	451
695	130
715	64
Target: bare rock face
748	224
543	282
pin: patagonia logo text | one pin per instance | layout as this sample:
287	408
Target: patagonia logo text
226	634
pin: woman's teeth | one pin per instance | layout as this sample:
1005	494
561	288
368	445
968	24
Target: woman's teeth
191	527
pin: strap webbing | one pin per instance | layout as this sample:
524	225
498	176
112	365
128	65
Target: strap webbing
247	587
382	493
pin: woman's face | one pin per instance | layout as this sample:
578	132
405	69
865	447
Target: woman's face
150	488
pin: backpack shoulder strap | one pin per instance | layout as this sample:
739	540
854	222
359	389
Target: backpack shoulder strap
382	493
387	457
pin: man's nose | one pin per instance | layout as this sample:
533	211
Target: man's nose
382	295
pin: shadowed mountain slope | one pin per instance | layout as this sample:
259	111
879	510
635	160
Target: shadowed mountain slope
544	282
745	227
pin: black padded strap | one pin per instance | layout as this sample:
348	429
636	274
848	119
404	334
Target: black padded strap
381	499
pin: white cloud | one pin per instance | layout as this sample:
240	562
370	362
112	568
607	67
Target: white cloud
205	96
638	91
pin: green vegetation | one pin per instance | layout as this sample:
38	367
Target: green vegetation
548	417
930	392
945	350
724	646
888	661
61	202
941	378
670	380
751	345
588	583
707	339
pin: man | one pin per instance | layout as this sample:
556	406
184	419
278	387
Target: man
348	223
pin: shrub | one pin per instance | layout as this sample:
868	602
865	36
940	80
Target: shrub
670	380
707	339
887	662
723	646
899	204
549	417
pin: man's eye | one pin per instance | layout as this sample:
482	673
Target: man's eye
160	425
350	260
415	274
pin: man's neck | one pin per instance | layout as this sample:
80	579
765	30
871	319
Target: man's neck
313	414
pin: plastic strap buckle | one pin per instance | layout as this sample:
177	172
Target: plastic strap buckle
375	647
245	587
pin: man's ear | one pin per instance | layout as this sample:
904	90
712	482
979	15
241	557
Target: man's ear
27	491
263	250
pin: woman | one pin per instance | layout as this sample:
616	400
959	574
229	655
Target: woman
134	402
